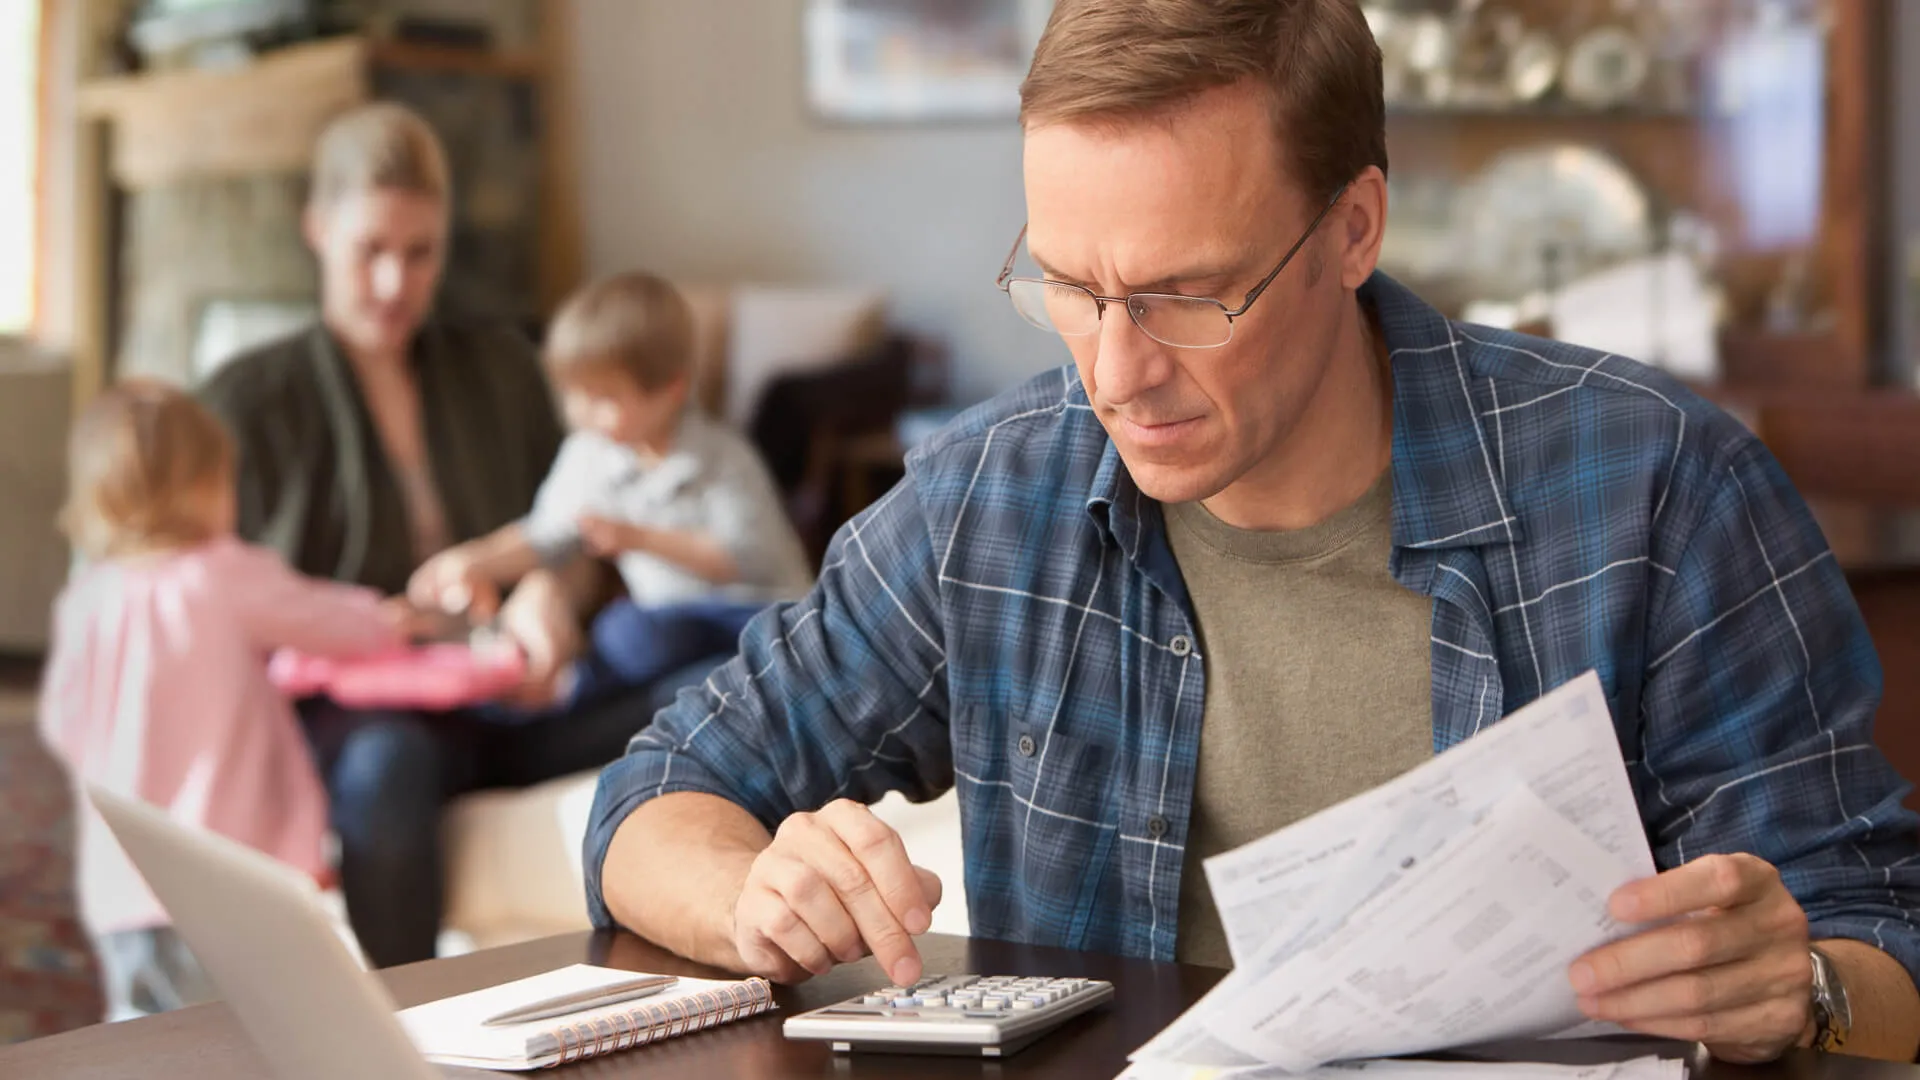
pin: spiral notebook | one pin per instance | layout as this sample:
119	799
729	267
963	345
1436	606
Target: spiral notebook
450	1031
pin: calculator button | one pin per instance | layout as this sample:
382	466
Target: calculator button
873	999
1023	1005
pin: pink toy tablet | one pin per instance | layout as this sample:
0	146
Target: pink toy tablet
437	677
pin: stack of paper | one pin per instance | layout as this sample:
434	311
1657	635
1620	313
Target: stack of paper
1642	1068
1439	910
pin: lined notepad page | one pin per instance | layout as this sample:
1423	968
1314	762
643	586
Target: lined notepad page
450	1031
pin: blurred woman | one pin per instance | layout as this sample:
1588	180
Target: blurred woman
367	443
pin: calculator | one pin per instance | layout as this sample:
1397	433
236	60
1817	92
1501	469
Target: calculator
991	1016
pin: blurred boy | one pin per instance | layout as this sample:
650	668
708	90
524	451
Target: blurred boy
681	505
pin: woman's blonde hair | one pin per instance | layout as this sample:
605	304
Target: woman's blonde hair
382	146
635	323
139	463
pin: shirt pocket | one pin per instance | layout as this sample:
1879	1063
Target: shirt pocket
1042	820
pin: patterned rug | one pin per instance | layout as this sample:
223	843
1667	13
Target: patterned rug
46	968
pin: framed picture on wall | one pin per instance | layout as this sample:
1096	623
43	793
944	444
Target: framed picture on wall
919	60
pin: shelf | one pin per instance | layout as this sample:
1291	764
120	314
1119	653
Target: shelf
1551	110
259	118
523	66
295	69
264	116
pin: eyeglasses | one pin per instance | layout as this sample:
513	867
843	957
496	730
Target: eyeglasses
1183	322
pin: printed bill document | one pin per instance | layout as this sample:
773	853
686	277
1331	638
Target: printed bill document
1441	909
1638	1068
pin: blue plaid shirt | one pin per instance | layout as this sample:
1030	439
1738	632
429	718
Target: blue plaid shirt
1010	619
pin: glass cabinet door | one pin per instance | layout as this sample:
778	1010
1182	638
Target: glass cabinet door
1681	181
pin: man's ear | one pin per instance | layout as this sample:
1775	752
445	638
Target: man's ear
1361	221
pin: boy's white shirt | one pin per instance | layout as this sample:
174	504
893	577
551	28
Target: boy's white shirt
712	481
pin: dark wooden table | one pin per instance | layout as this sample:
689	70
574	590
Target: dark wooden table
206	1043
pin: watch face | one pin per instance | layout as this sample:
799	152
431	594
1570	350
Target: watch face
1832	1015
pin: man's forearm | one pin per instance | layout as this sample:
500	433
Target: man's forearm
674	871
1885	1006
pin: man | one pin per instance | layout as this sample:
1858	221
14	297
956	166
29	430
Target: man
1288	533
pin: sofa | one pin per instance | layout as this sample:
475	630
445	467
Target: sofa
514	869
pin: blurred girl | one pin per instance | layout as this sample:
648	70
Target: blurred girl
156	682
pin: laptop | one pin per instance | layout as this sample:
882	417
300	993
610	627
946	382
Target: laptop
257	928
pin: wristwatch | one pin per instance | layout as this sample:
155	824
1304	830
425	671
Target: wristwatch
1832	1015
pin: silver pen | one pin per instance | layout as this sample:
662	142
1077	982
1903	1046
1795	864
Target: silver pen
582	1000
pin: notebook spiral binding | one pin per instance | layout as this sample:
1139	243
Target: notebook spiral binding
662	1020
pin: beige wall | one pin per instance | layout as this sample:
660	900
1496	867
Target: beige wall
699	160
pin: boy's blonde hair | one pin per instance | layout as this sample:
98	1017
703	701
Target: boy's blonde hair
140	458
634	323
382	146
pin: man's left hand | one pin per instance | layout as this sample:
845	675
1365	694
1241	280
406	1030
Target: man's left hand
1730	970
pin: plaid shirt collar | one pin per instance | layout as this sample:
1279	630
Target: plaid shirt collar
1445	490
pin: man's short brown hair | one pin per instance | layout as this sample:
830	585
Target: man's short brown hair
634	323
1317	59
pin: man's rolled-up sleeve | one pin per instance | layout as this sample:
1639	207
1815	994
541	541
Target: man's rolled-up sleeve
840	695
1757	714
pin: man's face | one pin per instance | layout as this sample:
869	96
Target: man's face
380	256
1196	203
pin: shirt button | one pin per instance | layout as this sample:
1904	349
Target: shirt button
1182	645
1156	826
1026	746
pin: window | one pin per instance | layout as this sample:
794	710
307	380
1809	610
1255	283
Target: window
19	157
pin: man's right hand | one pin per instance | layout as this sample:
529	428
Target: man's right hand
833	887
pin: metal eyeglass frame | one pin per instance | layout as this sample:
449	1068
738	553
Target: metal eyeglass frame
1006	279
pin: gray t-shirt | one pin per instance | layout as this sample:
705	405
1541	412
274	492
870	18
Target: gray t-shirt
1318	681
711	481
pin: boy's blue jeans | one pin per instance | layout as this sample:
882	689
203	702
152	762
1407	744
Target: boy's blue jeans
634	645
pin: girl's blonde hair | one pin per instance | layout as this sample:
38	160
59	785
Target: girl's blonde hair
140	461
382	146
